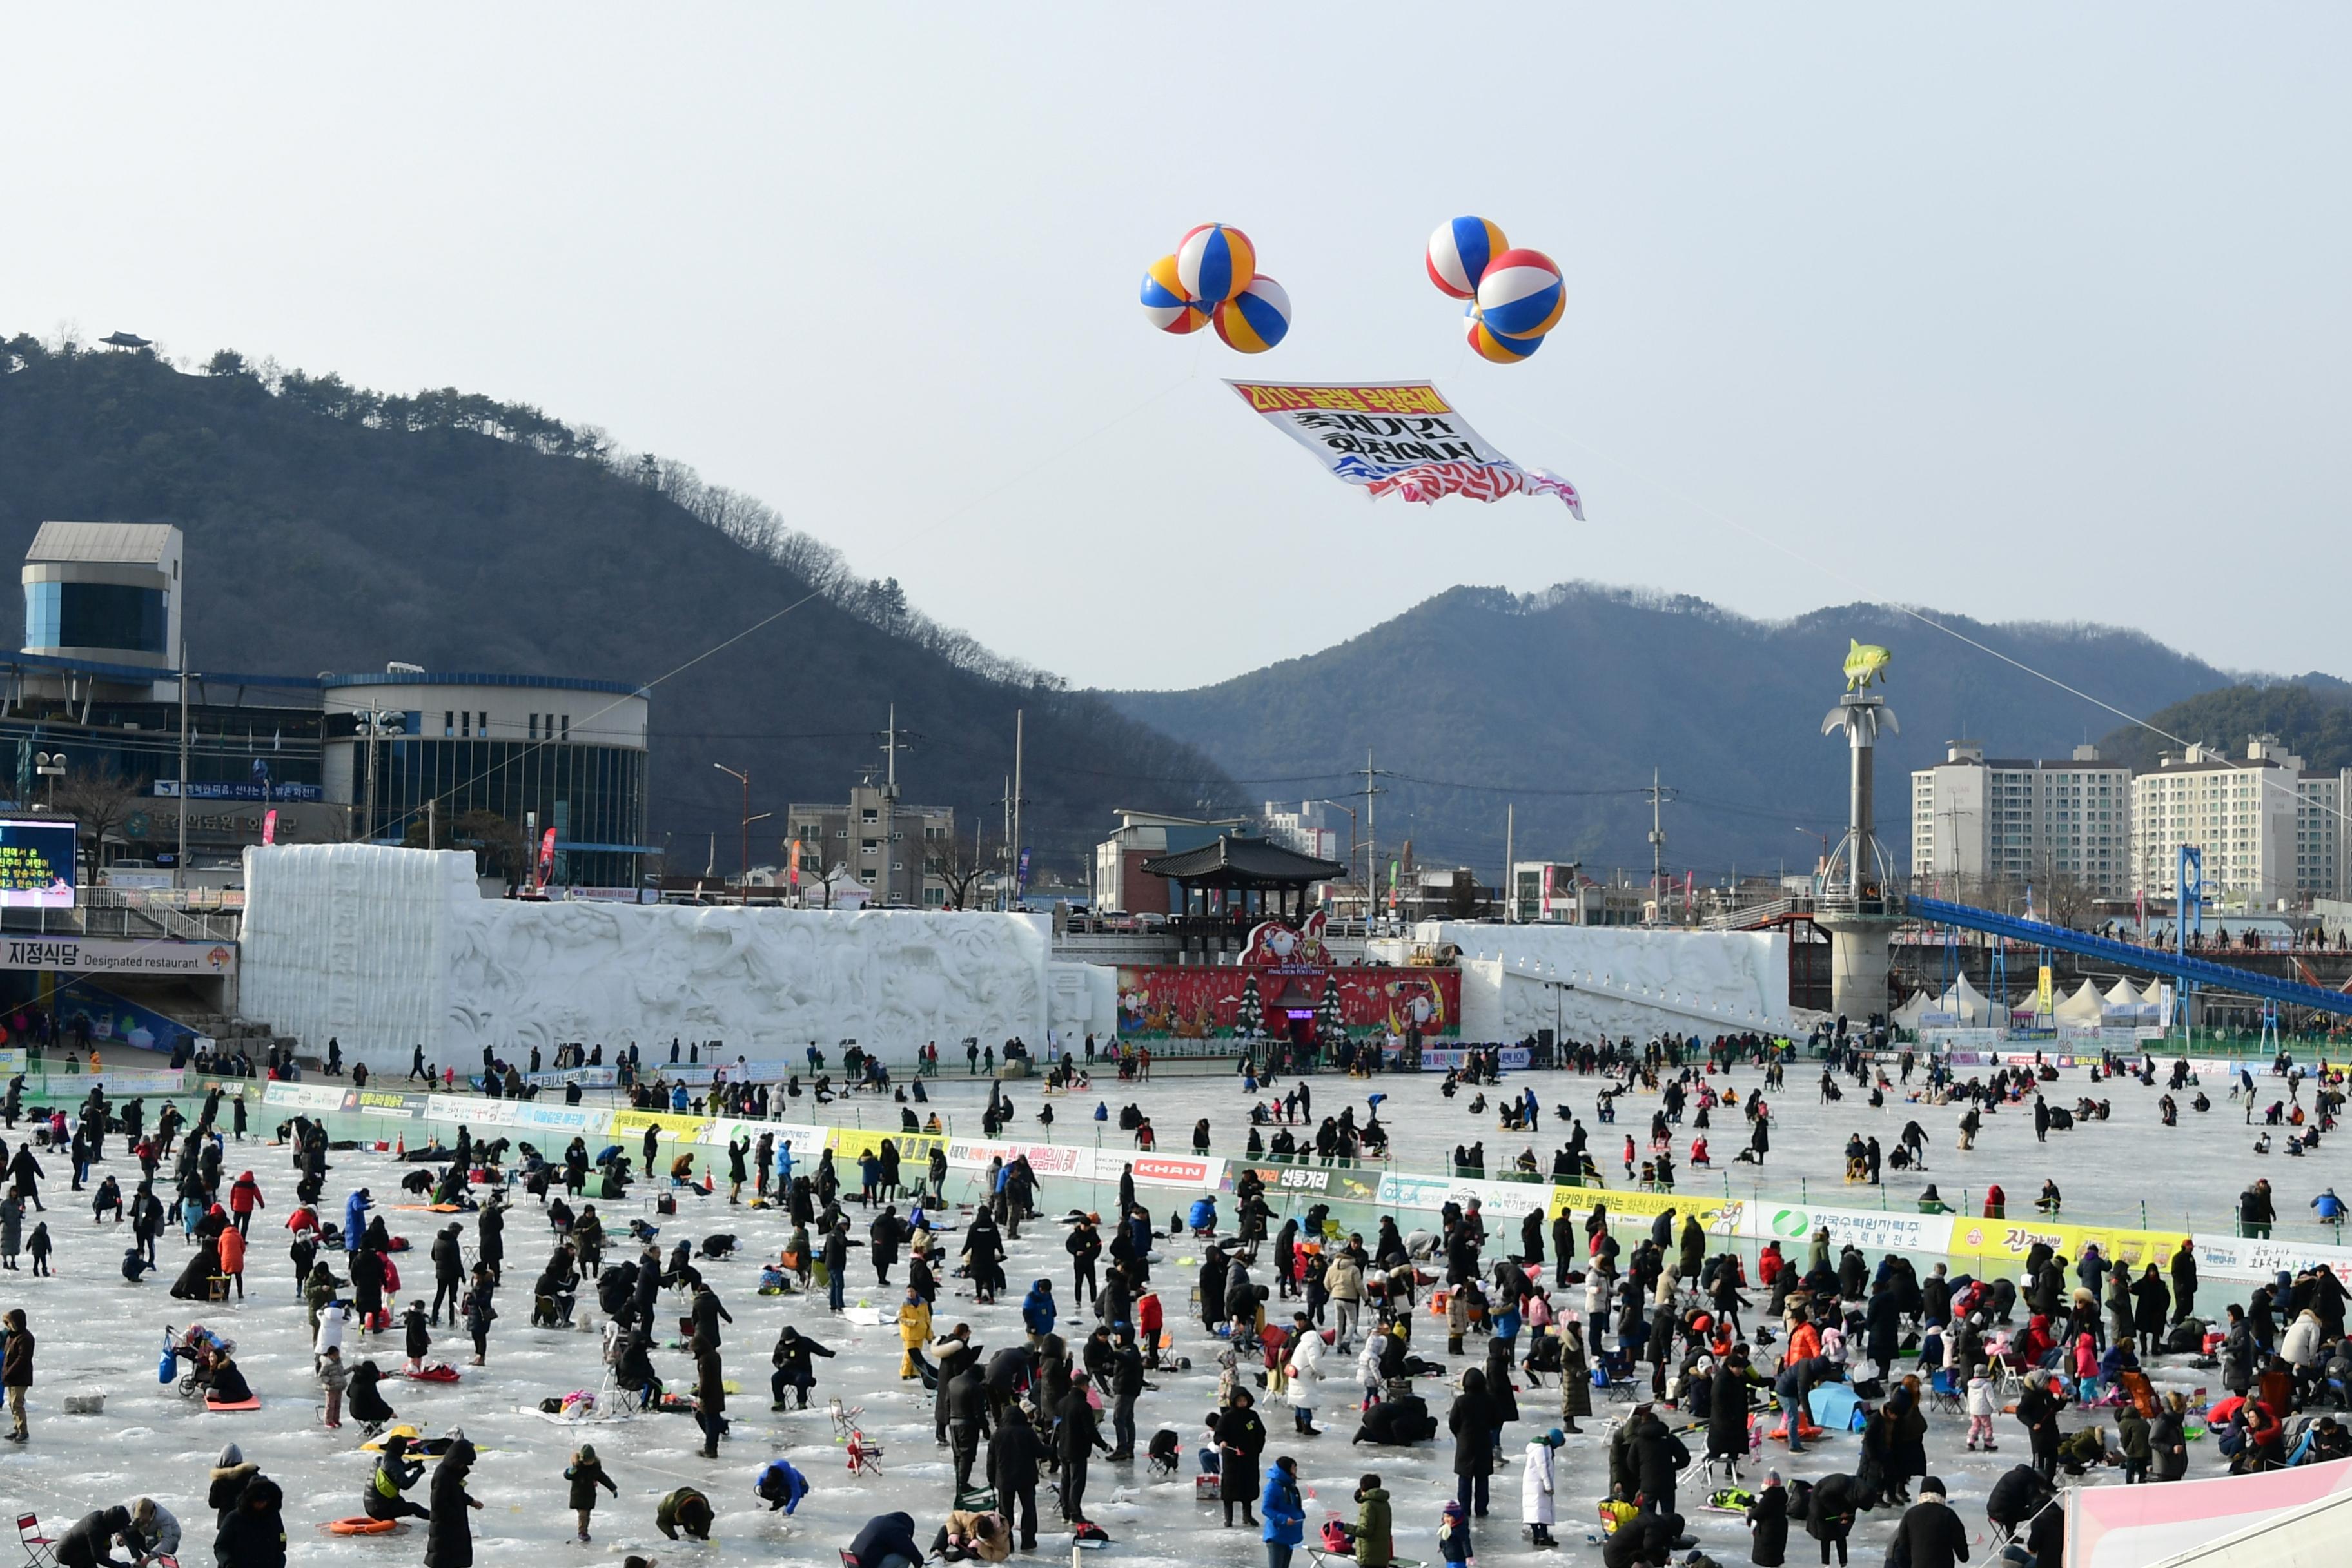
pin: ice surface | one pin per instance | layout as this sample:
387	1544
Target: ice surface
95	1333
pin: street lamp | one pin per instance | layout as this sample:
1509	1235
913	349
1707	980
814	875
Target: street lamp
744	873
50	765
370	725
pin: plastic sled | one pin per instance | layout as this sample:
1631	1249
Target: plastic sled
438	1372
252	1404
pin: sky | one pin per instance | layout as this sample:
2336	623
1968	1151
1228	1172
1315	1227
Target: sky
2020	311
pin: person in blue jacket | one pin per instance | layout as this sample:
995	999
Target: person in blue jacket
781	1485
2330	1207
887	1541
1285	1514
355	1209
784	1168
1037	1312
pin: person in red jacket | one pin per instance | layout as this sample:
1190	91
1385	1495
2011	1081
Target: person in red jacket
244	1197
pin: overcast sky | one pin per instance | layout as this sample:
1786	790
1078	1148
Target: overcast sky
2023	312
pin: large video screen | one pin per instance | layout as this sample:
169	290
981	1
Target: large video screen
37	865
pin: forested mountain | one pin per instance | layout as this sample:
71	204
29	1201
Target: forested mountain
1562	702
2312	714
332	528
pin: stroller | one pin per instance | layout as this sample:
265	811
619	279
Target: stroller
201	1348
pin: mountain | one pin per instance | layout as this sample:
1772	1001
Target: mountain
1561	703
332	528
2312	714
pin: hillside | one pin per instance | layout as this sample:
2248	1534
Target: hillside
1562	702
2312	714
330	528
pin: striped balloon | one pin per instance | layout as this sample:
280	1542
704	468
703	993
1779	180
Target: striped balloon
1522	295
1254	319
1164	301
1495	348
1459	252
1214	263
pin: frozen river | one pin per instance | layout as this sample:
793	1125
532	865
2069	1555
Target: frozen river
97	1334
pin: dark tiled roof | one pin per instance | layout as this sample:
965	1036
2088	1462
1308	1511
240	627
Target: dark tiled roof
1236	862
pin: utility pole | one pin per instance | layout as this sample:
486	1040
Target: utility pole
891	739
1014	848
180	858
1510	871
1658	796
1005	851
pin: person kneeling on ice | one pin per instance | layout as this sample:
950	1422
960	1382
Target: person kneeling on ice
887	1541
781	1487
395	1472
968	1534
689	1511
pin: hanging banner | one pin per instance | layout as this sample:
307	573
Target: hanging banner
1401	438
546	855
270	826
2041	995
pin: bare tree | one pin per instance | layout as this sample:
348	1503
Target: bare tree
99	800
957	864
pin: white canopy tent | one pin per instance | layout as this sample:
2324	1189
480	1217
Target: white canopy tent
2121	994
1965	1003
2316	1535
2085	1007
1907	1016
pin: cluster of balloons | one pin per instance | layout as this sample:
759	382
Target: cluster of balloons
1212	278
1514	297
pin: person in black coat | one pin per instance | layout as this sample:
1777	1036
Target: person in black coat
1768	1524
1473	1421
1931	1534
1646	1542
254	1536
1013	1455
366	1400
887	1536
1658	1457
90	1543
1077	1435
450	1533
1829	1517
1727	1415
1241	1438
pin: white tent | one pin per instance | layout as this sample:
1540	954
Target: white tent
2121	994
2316	1535
1907	1016
1965	1002
2085	1007
2278	1519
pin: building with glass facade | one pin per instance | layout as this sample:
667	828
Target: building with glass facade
539	752
97	683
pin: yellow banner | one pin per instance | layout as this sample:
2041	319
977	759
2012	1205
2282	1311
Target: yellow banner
914	1148
2012	1240
676	1129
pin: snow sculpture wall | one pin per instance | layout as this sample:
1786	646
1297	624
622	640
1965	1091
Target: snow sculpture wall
1622	980
386	949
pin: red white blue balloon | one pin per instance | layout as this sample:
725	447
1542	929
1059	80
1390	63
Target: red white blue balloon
1214	263
1164	302
1254	319
1460	252
1521	295
1493	346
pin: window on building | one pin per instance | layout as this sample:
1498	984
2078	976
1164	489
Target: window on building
866	878
869	846
567	726
464	721
534	726
448	722
869	814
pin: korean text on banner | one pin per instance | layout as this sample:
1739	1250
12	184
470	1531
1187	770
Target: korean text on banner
1399	437
1873	1230
676	1129
914	1148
